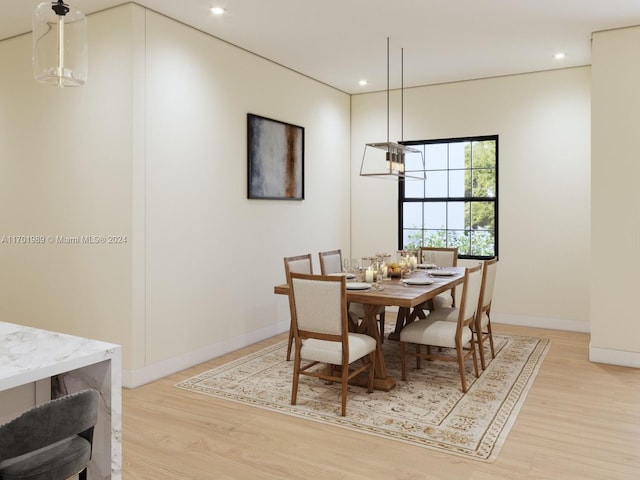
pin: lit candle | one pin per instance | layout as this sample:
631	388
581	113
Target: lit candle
368	275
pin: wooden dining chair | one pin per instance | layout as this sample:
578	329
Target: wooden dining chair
449	328
483	315
318	306
296	264
331	262
442	257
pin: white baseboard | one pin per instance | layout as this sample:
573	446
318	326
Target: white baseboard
596	354
542	322
136	378
614	357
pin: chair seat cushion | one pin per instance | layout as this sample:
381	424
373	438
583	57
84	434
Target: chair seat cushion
439	333
484	321
61	460
331	352
443	300
448	314
451	315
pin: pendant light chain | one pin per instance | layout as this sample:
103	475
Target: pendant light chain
388	90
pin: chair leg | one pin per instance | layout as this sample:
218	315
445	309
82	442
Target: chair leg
481	347
345	382
290	341
403	360
296	377
82	475
460	352
473	355
490	335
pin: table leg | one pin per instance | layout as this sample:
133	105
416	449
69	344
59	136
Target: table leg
381	381
406	316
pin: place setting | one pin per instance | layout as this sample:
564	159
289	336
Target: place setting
417	281
441	273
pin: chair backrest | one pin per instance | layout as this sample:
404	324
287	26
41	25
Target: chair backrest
442	257
318	306
298	264
330	262
470	295
488	281
51	422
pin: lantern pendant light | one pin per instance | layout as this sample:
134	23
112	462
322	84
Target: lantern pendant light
389	159
59	45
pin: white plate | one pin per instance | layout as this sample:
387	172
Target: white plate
358	286
426	266
442	273
347	275
418	281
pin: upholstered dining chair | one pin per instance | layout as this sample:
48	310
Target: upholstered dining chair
331	262
296	264
442	257
482	324
450	328
52	441
318	306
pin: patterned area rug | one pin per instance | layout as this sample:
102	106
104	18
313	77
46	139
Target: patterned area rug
428	410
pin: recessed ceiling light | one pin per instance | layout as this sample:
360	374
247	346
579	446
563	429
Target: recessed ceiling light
217	10
559	55
362	83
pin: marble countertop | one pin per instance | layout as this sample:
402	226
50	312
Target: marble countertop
29	354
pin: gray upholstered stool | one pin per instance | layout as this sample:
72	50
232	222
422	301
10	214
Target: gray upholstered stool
52	441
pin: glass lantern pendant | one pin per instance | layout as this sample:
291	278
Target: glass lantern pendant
59	45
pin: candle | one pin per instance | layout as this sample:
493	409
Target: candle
368	275
413	262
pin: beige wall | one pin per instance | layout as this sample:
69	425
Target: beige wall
543	122
154	148
213	256
615	233
65	171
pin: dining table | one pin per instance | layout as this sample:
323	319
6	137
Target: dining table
411	294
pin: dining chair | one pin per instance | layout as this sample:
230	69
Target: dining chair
482	324
331	262
51	441
296	264
318	306
447	328
442	257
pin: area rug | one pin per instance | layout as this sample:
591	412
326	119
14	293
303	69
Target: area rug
428	410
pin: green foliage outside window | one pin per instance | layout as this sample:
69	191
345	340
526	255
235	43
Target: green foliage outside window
477	239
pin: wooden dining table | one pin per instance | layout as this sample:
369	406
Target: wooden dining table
410	300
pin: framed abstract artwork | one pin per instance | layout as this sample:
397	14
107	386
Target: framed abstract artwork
275	159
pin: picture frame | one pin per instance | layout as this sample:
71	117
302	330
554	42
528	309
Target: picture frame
275	157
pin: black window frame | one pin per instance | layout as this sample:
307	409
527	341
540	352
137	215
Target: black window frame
494	199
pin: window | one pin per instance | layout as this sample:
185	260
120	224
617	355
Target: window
457	204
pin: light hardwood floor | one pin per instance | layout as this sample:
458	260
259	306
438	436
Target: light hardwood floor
580	421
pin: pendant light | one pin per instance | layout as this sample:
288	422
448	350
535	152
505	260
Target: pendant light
389	159
59	45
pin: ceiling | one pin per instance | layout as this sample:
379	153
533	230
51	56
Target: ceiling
340	42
